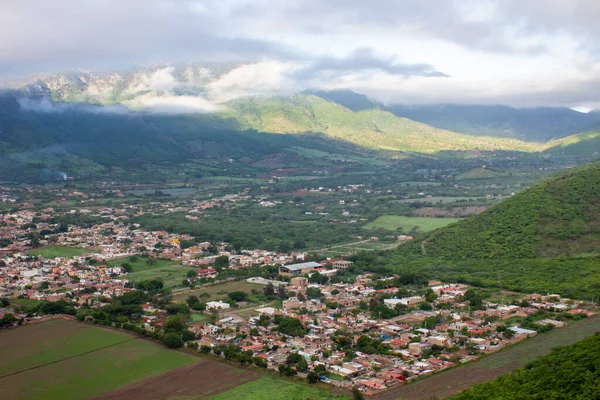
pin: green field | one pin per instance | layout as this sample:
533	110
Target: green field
172	273
66	360
59	251
220	291
393	222
276	389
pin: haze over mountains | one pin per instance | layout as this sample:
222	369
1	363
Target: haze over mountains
210	112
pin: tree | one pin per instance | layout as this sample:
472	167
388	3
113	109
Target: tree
172	340
300	297
320	369
357	394
269	290
222	262
316	277
127	267
238	296
191	300
190	274
313	293
312	377
174	324
281	293
186	336
293	358
44	285
302	365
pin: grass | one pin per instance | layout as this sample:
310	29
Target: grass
276	389
172	273
66	360
199	317
220	291
59	251
394	222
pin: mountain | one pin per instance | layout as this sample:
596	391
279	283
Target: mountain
371	128
557	217
529	124
41	140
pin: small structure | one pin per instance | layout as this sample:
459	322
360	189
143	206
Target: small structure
217	305
341	264
298	269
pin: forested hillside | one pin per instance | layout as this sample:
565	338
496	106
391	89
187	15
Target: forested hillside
557	217
570	372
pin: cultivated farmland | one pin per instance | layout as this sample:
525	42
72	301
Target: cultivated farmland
66	360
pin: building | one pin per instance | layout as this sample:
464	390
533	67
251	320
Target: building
218	305
341	264
298	269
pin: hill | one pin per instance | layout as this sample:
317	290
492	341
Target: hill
371	128
558	217
583	144
570	372
530	124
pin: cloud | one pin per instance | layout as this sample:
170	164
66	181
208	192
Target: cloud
173	104
364	59
44	105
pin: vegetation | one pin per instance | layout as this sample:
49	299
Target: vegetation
51	252
74	361
568	372
275	389
409	224
557	217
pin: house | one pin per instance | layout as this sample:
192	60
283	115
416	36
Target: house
217	305
298	269
206	272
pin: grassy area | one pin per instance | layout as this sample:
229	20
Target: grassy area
172	273
276	389
220	291
66	360
59	251
393	222
199	317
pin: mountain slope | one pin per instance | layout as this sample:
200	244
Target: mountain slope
371	128
582	144
558	217
530	124
91	141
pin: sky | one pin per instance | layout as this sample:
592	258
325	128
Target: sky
522	53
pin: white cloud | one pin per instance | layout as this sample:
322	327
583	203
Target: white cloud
173	104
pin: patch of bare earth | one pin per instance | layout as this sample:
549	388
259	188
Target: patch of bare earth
200	380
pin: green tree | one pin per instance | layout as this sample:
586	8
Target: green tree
172	340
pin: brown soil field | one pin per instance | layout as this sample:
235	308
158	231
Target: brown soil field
444	212
200	380
449	383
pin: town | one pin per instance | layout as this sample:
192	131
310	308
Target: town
372	333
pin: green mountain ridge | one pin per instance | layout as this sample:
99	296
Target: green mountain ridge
559	217
371	128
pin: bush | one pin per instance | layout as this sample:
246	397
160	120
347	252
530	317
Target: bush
172	340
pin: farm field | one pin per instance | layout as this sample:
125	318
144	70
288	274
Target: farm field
276	389
451	382
199	380
393	222
66	360
170	272
219	291
59	251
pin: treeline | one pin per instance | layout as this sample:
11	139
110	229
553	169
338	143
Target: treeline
570	372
